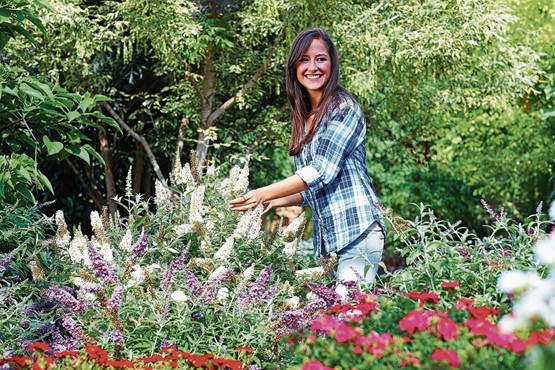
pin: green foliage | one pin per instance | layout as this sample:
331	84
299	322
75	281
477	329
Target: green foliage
437	251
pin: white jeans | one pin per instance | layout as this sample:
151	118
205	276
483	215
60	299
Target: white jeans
363	253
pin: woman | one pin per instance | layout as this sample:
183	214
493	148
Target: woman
328	144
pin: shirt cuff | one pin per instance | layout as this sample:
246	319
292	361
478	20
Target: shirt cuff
311	177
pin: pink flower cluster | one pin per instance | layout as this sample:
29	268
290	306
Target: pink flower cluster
341	324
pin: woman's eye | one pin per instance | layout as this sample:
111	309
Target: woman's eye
303	60
321	60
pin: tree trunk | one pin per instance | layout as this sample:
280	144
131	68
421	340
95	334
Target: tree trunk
108	169
206	107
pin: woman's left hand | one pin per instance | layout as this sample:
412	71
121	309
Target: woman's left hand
248	201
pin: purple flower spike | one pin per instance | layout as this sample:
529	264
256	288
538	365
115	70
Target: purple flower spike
192	283
176	264
62	297
329	295
5	261
139	248
71	326
101	268
115	301
259	286
116	337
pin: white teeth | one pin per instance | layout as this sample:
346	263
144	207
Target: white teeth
313	77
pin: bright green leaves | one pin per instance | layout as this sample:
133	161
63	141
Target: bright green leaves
19	176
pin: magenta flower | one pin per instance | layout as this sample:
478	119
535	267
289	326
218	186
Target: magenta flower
448	355
416	320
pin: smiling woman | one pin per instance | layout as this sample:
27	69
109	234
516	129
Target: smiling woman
328	143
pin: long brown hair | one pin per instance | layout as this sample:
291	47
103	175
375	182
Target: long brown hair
298	95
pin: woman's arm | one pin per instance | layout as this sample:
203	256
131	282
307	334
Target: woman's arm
286	192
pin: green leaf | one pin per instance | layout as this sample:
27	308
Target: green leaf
79	152
87	104
94	153
25	192
53	147
72	115
30	91
45	182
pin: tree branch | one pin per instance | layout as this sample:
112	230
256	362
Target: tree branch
374	11
259	72
140	139
94	192
181	138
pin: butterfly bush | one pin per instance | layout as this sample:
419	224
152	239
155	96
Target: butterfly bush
535	295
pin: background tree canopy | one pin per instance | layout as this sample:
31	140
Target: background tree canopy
458	94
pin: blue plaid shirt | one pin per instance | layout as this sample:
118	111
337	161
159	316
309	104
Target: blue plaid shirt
340	192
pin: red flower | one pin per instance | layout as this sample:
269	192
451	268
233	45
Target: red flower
41	346
324	324
121	363
448	355
449	284
357	350
97	353
63	354
344	333
315	365
482	312
246	349
21	361
464	303
415	319
367	307
447	328
423	297
151	359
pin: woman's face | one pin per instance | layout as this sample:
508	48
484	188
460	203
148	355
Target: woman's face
313	68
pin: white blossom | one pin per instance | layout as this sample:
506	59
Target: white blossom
217	272
292	303
183	176
205	246
104	249
514	280
256	222
78	248
196	212
161	194
126	241
97	225
179	297
294	228
311	272
248	273
249	224
62	234
290	248
225	250
137	276
510	323
551	211
183	229
241	179
222	295
545	250
151	268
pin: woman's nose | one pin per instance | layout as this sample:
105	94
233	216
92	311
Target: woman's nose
312	65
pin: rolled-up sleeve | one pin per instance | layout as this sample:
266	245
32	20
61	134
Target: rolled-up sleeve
338	138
